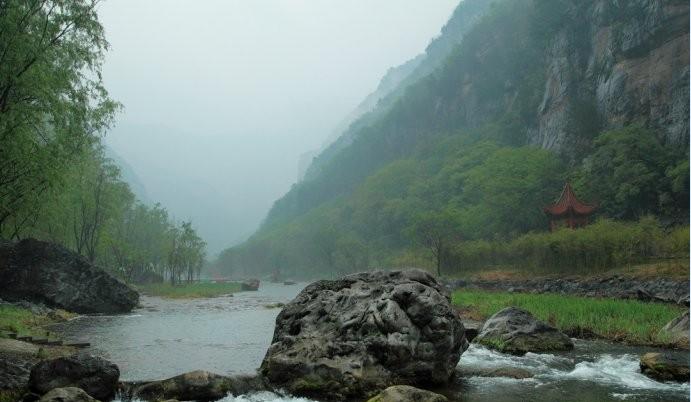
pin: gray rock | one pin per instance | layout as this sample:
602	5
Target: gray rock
198	386
634	69
14	373
665	366
97	376
67	394
43	272
250	284
352	337
406	393
508	372
516	331
677	331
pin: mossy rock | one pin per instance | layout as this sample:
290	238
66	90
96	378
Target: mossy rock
665	366
516	331
406	393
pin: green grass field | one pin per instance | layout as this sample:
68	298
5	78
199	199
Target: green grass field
190	290
628	321
23	322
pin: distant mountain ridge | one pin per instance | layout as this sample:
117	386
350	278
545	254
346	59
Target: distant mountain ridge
396	80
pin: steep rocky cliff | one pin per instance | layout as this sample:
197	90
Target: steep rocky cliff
626	62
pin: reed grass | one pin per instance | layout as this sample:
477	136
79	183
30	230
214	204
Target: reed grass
628	321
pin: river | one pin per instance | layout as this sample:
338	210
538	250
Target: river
229	335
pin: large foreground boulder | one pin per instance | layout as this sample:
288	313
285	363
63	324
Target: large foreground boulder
48	273
197	386
353	337
665	366
676	331
406	393
96	376
68	394
515	331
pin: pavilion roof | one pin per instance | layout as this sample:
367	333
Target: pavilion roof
569	203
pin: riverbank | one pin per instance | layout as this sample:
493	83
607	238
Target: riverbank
29	320
627	321
17	357
195	290
667	283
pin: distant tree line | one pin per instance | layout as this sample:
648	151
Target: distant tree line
55	181
445	206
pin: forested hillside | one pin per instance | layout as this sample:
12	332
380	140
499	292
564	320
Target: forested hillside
56	182
537	92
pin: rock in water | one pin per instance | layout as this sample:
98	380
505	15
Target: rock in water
96	376
406	393
352	337
197	386
516	331
250	284
508	372
68	394
677	331
665	366
48	273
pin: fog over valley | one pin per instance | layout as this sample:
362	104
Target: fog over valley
221	98
344	200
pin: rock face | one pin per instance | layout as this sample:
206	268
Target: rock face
406	393
623	62
48	273
68	394
355	336
665	366
677	331
516	331
197	386
96	376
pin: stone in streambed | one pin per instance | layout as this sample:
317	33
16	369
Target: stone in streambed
96	376
67	394
197	385
665	366
506	372
406	393
515	331
352	337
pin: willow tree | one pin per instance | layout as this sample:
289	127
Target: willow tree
53	105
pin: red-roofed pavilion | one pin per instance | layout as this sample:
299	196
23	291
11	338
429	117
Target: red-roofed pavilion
568	211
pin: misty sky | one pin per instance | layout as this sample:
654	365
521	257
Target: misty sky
223	96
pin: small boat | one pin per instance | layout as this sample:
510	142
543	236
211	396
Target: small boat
289	283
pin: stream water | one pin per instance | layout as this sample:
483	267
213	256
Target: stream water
229	335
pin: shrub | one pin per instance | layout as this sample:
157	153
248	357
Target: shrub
603	245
